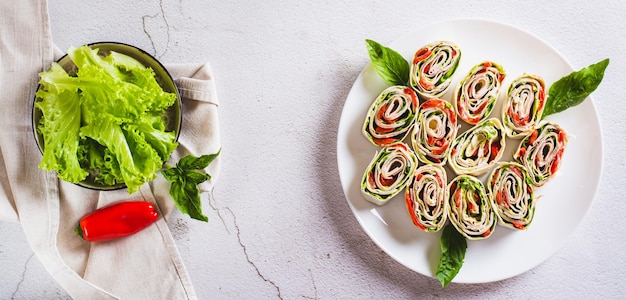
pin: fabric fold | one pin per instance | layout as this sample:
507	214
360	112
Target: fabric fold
48	209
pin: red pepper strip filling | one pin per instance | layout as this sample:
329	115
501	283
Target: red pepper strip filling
533	137
421	54
518	225
557	160
411	208
384	141
426	85
495	148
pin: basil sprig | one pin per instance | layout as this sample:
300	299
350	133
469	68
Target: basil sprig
572	89
453	247
388	63
185	178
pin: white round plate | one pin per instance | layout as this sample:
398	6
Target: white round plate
563	201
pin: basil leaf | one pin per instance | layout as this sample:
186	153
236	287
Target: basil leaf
187	198
196	177
389	64
170	174
453	247
194	205
572	89
184	179
196	163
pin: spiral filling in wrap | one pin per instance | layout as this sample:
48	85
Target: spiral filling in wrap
469	208
541	152
525	100
434	131
426	198
477	149
432	68
478	91
388	173
391	116
511	195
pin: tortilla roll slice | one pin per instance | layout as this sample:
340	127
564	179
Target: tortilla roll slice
391	116
469	208
388	173
477	149
478	91
432	68
512	195
426	198
525	100
434	131
541	152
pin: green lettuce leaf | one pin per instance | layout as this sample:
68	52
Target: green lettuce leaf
60	131
107	118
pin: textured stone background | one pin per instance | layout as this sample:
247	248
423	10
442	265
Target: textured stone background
280	226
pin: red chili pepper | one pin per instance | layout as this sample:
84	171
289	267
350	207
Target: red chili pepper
117	221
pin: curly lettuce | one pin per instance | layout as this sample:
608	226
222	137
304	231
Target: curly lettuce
105	120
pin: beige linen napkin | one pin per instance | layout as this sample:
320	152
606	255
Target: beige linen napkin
146	265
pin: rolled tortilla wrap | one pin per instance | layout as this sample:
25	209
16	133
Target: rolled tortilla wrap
434	131
541	152
525	100
511	195
432	68
388	173
426	198
469	208
477	92
477	149
391	116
